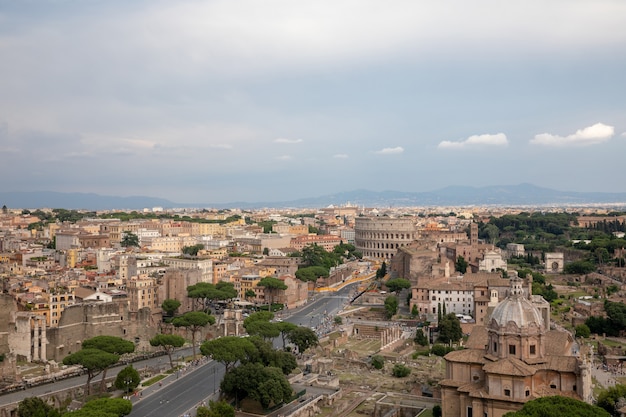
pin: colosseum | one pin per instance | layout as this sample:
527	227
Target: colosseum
380	237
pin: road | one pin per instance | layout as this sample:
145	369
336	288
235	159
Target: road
159	362
321	309
180	393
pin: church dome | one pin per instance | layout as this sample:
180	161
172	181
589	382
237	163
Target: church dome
516	308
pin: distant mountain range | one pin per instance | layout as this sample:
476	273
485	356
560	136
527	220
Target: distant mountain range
506	195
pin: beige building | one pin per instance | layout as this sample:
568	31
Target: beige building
328	242
514	359
142	292
205	266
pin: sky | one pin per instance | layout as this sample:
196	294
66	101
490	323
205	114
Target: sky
274	100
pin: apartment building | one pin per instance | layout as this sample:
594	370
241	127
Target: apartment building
205	266
328	242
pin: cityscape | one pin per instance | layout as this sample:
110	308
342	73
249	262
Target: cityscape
424	311
234	208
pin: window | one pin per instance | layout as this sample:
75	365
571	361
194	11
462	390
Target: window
532	349
507	392
495	346
528	393
553	386
511	349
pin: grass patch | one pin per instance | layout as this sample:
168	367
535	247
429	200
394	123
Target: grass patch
152	381
611	343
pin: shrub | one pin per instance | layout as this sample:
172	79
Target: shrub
440	350
582	330
378	362
400	371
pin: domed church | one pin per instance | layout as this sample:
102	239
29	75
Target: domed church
515	358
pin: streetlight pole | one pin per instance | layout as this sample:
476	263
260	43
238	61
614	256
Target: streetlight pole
127	381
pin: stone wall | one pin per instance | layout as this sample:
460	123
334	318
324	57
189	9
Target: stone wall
83	321
8	307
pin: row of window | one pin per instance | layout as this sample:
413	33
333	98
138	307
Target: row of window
369	235
532	349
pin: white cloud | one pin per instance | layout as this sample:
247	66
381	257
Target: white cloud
284	140
340	156
591	135
499	139
624	134
284	157
391	151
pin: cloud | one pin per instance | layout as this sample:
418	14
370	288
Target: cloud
284	157
499	139
284	140
221	146
340	156
391	151
591	135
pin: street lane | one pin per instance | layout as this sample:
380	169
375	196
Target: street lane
180	393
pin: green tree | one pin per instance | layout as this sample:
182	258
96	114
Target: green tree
378	362
228	350
36	407
400	371
110	344
193	250
264	384
414	311
461	264
258	316
129	239
268	356
193	321
491	232
608	399
285	327
103	407
582	330
382	271
168	342
437	411
420	338
449	329
93	361
303	338
249	294
579	267
398	284
205	292
391	306
170	306
273	285
312	273
440	350
558	406
127	379
338	320
216	409
263	329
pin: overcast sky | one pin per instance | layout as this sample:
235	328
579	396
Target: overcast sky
248	100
